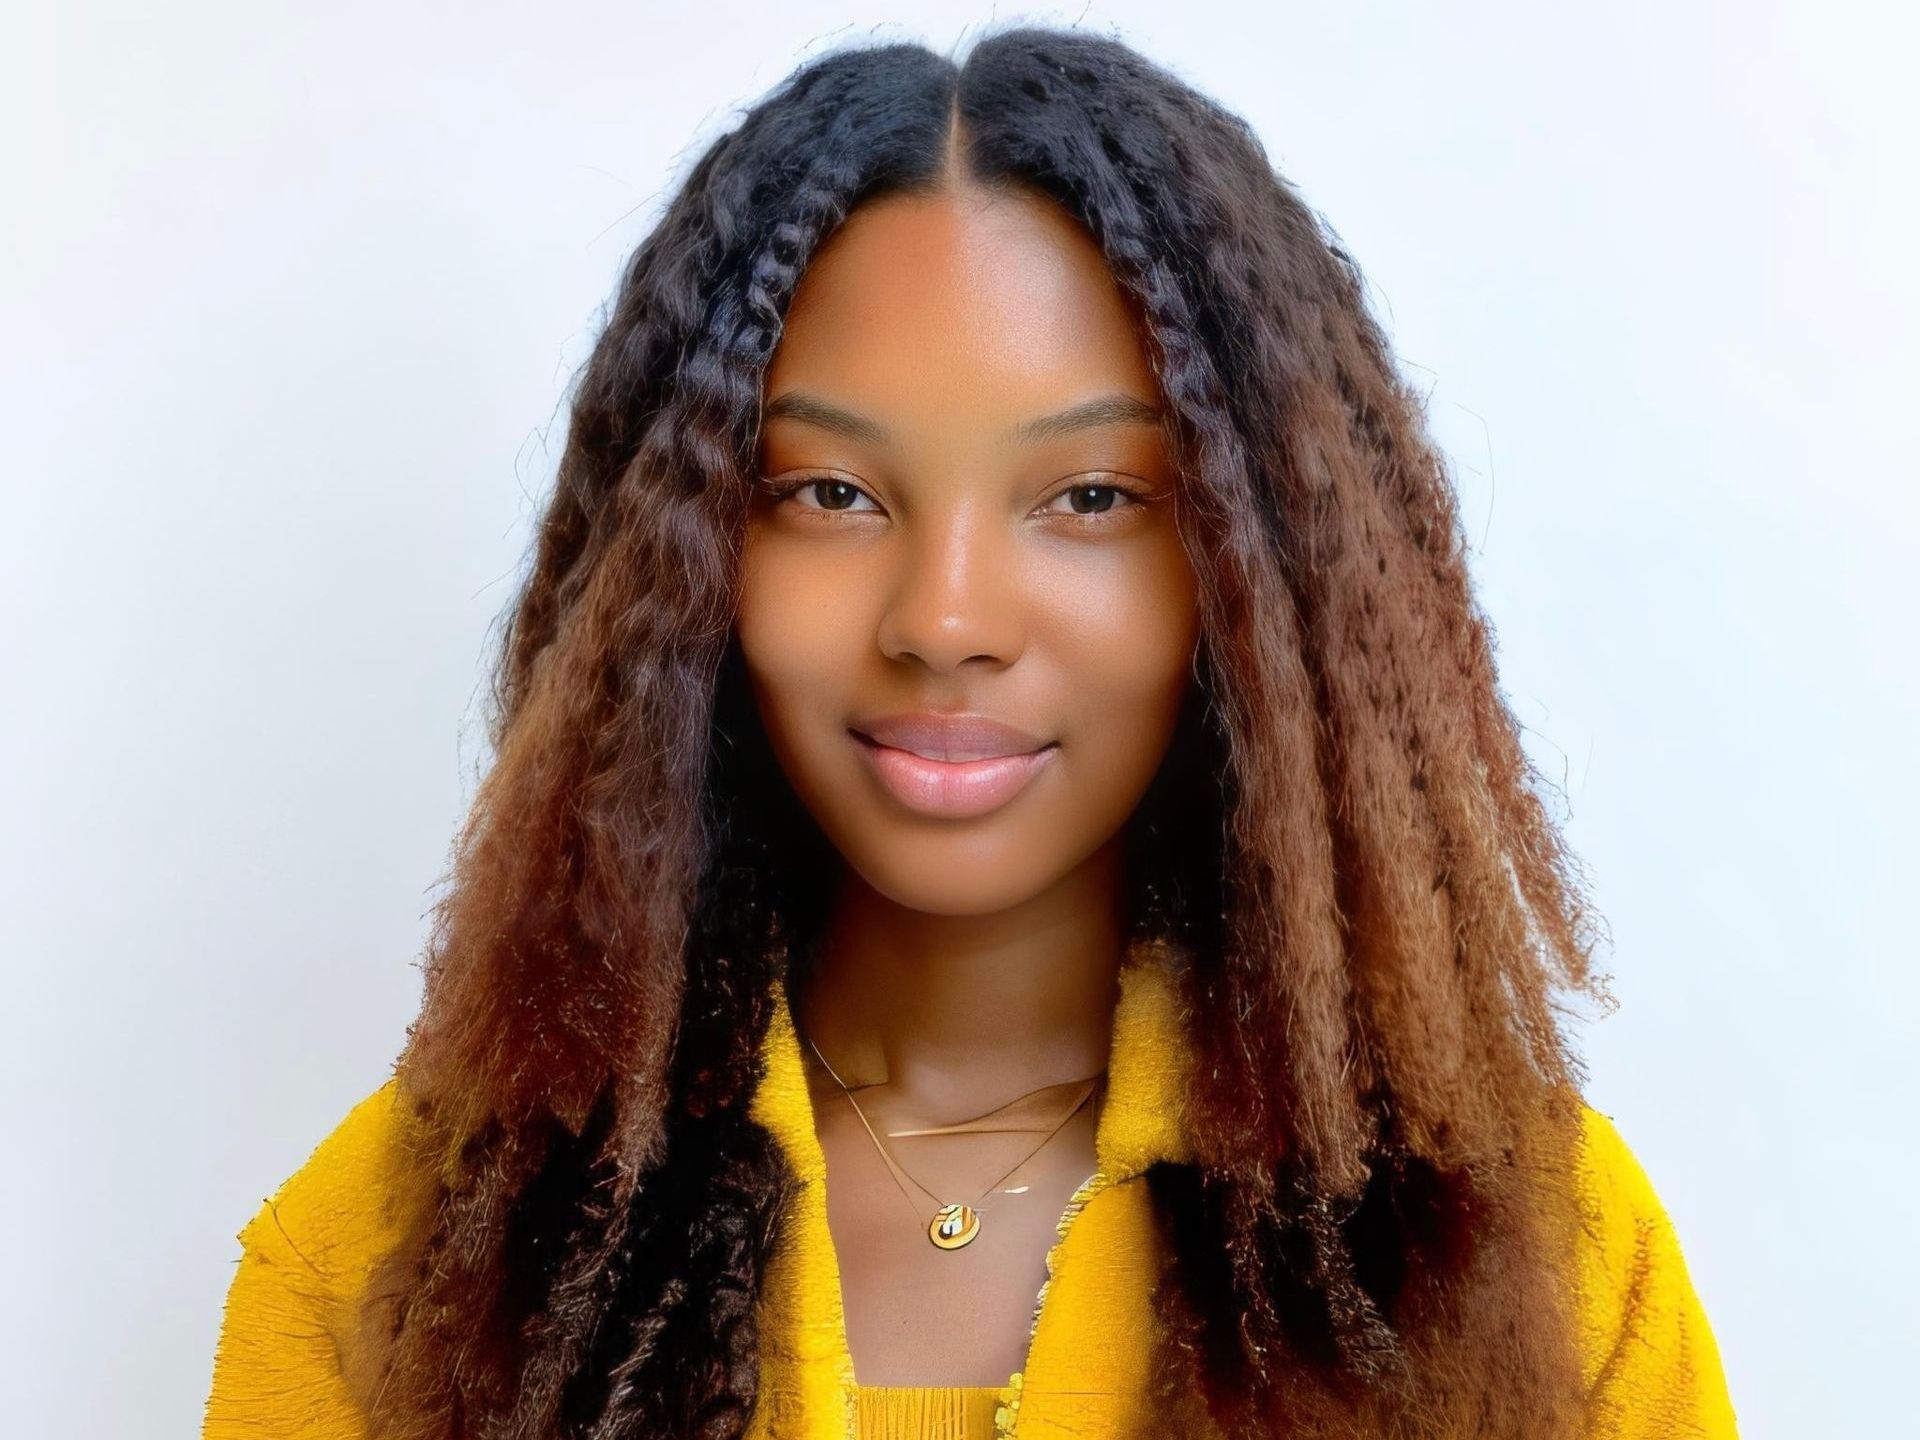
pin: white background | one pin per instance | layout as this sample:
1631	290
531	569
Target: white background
290	301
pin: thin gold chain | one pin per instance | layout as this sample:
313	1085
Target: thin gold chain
898	1169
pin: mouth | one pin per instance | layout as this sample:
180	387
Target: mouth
952	788
947	735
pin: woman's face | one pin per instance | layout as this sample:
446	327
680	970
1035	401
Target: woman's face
956	537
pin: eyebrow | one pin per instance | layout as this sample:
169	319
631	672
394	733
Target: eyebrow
1114	409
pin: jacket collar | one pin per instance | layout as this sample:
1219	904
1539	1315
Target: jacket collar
807	1371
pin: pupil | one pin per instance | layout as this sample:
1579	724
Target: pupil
1106	490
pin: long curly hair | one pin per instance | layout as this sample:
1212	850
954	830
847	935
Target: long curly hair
1347	840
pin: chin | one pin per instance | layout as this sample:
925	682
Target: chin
982	877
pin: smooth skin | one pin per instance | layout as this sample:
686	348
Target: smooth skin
928	556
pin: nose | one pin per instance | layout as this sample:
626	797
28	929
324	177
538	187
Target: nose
956	595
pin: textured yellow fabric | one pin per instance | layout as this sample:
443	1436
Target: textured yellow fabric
926	1412
1651	1362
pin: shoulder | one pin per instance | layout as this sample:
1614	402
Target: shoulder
1652	1364
356	1193
1618	1205
287	1326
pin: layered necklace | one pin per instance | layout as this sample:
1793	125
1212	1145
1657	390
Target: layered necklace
956	1224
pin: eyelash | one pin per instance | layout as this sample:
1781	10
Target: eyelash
782	489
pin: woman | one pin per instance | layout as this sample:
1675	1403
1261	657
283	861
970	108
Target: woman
1009	900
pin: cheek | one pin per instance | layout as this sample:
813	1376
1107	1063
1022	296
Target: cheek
788	638
801	644
1124	644
1126	705
1119	649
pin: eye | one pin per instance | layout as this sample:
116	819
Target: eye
1097	498
1102	498
837	494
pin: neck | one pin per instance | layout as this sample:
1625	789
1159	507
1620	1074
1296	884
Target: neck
957	1014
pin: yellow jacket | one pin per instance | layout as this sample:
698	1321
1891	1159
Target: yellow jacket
1652	1366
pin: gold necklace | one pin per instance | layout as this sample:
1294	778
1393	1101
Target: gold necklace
954	1224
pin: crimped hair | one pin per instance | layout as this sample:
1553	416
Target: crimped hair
1380	920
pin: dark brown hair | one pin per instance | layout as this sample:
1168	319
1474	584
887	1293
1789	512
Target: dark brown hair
1347	840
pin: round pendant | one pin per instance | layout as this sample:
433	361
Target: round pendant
953	1226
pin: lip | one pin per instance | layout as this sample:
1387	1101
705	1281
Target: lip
948	737
952	766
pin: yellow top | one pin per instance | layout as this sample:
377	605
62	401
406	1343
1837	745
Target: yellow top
925	1412
1652	1366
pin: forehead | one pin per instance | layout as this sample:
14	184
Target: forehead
959	307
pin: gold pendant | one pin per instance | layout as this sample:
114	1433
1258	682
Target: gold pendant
953	1226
